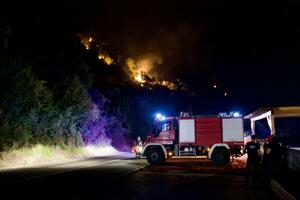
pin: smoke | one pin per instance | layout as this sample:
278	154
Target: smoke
148	63
145	64
166	52
159	57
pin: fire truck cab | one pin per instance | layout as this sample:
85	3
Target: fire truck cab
217	137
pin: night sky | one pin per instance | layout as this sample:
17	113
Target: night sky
248	49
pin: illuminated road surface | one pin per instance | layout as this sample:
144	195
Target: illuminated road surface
123	177
110	166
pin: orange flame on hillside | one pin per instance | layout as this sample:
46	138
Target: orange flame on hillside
87	42
141	70
106	59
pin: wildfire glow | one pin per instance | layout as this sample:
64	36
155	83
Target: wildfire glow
103	55
139	77
142	70
106	58
169	84
86	41
142	73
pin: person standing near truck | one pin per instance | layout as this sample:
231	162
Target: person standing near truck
272	158
137	148
252	150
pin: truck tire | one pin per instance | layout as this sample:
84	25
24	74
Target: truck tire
155	156
220	156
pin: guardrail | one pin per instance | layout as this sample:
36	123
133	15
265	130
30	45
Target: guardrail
293	158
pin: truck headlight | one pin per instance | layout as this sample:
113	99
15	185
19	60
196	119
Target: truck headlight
140	149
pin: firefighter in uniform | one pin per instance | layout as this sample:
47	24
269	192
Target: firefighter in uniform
252	150
138	147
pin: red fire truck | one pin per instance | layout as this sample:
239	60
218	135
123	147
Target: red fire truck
217	137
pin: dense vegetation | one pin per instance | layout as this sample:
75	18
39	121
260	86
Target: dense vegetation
54	92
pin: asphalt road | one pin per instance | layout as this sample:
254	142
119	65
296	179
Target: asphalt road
123	177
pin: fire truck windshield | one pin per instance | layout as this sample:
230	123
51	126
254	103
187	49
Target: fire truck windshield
166	126
161	126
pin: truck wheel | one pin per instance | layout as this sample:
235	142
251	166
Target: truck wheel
220	156
155	156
